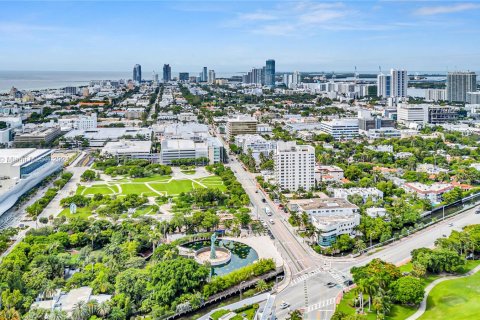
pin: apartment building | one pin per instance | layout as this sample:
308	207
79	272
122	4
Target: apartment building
340	129
294	166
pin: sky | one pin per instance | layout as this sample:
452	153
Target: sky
234	36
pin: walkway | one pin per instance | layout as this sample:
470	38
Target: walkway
236	305
423	304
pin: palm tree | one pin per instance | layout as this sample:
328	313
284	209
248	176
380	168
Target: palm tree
360	245
103	309
261	286
79	311
91	307
57	314
360	290
93	231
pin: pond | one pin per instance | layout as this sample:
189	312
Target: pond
242	254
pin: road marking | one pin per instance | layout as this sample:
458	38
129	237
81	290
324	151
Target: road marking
319	305
306	276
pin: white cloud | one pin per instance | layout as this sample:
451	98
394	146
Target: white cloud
434	10
257	16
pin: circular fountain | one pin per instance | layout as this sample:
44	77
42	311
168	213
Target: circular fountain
213	255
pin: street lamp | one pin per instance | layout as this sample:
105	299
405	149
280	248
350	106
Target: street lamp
241	289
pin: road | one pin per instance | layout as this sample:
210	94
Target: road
310	272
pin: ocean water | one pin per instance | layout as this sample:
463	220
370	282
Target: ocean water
36	80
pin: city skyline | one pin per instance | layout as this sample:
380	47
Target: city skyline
236	36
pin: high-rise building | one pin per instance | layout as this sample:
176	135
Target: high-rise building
435	95
384	85
167	73
204	75
473	97
270	73
256	76
393	85
137	73
183	76
399	83
294	166
459	83
211	76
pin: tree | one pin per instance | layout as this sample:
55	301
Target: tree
408	290
343	243
295	315
88	175
261	286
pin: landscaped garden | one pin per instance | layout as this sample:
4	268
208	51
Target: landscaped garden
384	291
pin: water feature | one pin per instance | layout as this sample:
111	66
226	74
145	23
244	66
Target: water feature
241	254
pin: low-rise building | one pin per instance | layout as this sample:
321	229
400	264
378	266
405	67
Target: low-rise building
256	144
341	129
383	133
38	137
432	192
332	217
365	193
328	174
98	137
130	150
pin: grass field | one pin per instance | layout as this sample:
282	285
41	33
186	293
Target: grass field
455	299
152	186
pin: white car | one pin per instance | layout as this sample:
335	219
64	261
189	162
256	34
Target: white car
284	305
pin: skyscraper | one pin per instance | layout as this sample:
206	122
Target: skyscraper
167	73
384	85
211	76
270	73
137	73
399	83
393	85
204	75
459	83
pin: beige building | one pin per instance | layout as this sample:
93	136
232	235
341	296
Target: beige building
241	125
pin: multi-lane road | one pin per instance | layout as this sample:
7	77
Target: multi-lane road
309	272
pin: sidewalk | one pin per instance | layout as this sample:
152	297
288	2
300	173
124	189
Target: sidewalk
236	305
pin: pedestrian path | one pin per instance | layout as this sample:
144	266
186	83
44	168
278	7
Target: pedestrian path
338	278
320	305
255	299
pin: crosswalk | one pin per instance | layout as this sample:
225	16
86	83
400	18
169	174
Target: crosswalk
306	276
338	278
320	305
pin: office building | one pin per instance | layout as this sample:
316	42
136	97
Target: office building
255	76
137	73
367	121
241	125
183	76
412	113
211	76
39	137
435	95
270	73
98	137
167	73
340	129
473	97
294	166
459	83
382	133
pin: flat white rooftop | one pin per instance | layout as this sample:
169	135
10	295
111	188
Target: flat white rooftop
20	156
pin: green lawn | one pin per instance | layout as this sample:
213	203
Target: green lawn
137	188
81	213
100	188
454	299
173	187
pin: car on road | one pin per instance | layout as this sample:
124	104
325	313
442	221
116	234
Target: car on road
348	282
330	284
450	224
256	191
284	305
263	200
478	211
271	221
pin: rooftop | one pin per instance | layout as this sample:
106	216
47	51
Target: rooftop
328	203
